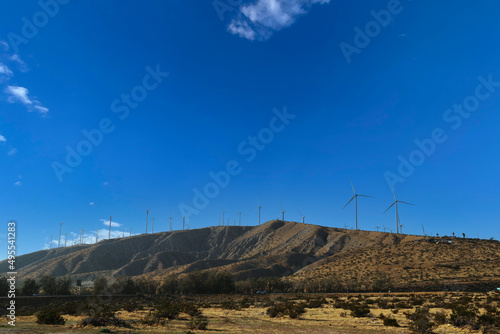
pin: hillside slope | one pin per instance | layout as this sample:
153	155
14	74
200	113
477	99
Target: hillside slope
301	252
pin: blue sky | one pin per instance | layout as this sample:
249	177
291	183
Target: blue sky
286	101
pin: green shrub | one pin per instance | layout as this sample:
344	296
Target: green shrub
464	315
359	311
291	309
388	321
420	321
200	323
49	315
440	318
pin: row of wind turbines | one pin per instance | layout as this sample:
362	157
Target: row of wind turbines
395	203
185	224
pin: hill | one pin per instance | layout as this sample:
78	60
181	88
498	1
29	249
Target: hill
301	252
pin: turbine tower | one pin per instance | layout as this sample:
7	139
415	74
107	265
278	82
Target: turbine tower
303	217
147	215
260	206
109	231
396	201
282	213
355	198
153	230
59	241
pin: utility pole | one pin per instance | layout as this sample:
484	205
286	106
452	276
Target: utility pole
183	223
123	233
130	232
59	241
170	224
51	241
147	215
153	230
223	217
260	206
109	232
377	227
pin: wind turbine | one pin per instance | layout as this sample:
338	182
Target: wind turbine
153	230
303	217
59	242
355	198
170	218
223	212
396	201
260	206
147	216
282	213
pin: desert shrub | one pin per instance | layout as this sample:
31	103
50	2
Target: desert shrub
105	330
70	308
359	310
130	306
245	303
191	309
230	305
420	321
316	303
382	303
345	305
99	314
440	318
49	315
200	323
395	311
464	315
168	310
388	321
381	316
291	309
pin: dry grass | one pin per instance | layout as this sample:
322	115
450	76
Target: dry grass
327	319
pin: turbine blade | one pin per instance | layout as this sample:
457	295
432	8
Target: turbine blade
366	196
349	201
393	193
354	191
406	203
390	207
300	213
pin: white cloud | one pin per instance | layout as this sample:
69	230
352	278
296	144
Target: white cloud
2	139
91	203
113	224
264	17
5	70
18	183
12	152
20	94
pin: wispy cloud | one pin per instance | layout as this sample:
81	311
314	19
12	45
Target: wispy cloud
12	152
17	183
113	224
20	94
2	139
92	204
5	70
4	45
22	65
259	20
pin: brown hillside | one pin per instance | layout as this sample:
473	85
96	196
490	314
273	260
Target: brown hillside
276	248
